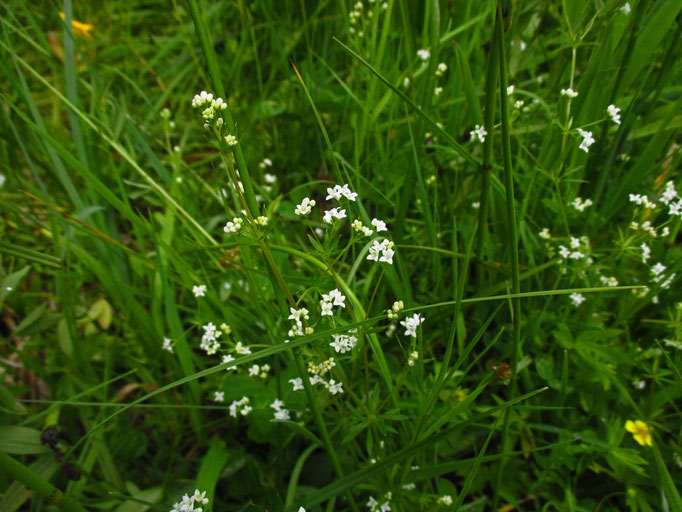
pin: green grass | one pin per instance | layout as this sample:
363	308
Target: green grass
512	394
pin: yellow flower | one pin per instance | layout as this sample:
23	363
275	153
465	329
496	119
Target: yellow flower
82	29
640	431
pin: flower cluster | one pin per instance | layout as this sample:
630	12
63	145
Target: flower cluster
580	205
240	406
297	316
305	207
613	113
412	359
669	198
189	503
333	298
333	213
209	340
358	226
339	191
424	54
411	324
259	371
397	307
587	141
374	506
281	413
211	112
642	200
343	342
385	248
478	132
233	226
569	92
317	371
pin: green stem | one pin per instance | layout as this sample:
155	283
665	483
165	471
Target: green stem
16	470
513	241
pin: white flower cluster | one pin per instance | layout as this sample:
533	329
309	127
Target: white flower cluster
642	200
412	360
574	254
576	298
358	226
397	307
317	371
212	108
338	191
259	371
411	324
167	345
608	281
569	92
658	270
334	213
614	113
234	225
668	198
446	499
189	504
649	228
580	205
240	406
262	221
333	298
478	132
386	250
281	413
343	342
424	54
296	316
587	141
305	207
209	341
297	383
374	506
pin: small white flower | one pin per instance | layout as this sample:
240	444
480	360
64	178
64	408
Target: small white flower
406	82
626	8
380	225
254	370
297	383
569	92
167	345
646	252
580	205
510	90
262	221
613	112
199	291
234	225
411	324
326	308
228	358
587	141
545	234
576	298
437	91
219	396
305	207
334	387
445	500
240	349
442	68
478	132
334	213
231	140
423	54
518	104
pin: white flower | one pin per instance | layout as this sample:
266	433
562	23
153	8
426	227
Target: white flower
406	82
167	345
626	8
277	404
334	213
219	396
305	207
445	500
386	250
646	252
658	269
282	415
188	504
411	324
343	343
297	383
442	68
380	225
336	297
569	92
518	104
241	349
423	54
262	221
576	298
510	90
545	234
613	112
580	205
670	194
588	140
199	291
413	358
334	387
228	358
297	314
254	370
231	140
437	91
478	132
326	308
233	226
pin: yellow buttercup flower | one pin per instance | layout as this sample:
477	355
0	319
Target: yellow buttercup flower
640	431
82	29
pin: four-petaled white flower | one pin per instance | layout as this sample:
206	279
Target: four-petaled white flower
380	225
613	112
576	298
411	324
305	207
423	54
199	290
478	133
588	140
297	383
167	345
219	396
